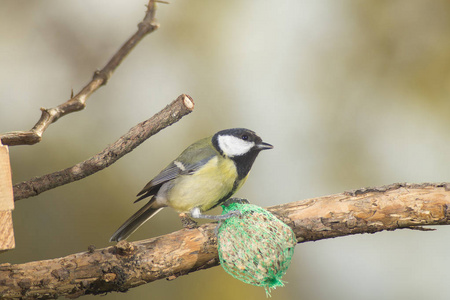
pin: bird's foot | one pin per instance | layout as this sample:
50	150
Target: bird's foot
233	213
195	213
235	200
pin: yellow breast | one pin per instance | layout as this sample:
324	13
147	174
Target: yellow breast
204	188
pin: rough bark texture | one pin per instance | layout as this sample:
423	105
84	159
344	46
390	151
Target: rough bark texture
127	265
116	268
368	210
173	112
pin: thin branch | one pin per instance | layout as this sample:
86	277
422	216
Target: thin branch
77	103
180	107
127	265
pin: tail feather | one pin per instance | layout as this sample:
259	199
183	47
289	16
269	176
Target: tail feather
135	221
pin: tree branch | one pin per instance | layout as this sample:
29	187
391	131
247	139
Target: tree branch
368	210
127	265
180	107
77	103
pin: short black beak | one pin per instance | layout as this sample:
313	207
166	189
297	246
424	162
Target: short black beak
264	146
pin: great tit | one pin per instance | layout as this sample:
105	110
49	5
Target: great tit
205	175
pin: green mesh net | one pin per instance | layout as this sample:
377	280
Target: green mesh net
255	247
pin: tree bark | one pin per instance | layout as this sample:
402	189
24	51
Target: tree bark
127	265
172	113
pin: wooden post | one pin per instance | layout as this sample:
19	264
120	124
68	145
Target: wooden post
6	201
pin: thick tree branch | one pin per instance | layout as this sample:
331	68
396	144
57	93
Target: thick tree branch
128	265
78	102
368	210
180	107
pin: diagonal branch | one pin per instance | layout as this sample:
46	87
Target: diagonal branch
180	107
127	265
78	102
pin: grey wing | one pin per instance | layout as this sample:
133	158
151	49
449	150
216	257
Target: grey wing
172	171
151	188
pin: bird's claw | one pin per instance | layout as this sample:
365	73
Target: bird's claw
235	200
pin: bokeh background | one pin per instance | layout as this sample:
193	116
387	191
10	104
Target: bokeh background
351	93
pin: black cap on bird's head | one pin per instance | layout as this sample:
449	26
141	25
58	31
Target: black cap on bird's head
240	145
238	142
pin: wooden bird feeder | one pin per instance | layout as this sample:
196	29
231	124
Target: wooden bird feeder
6	201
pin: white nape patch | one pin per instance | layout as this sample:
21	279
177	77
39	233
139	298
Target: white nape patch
233	146
179	165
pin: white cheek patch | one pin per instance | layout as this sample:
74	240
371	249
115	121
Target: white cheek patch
233	146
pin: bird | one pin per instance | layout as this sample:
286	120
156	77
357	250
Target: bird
203	176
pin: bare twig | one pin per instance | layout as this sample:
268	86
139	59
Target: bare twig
180	107
77	103
128	265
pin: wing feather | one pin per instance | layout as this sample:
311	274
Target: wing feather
187	163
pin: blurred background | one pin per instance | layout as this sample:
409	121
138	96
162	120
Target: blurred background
351	93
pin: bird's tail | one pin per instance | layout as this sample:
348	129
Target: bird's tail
135	221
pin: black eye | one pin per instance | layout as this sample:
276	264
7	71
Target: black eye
244	137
